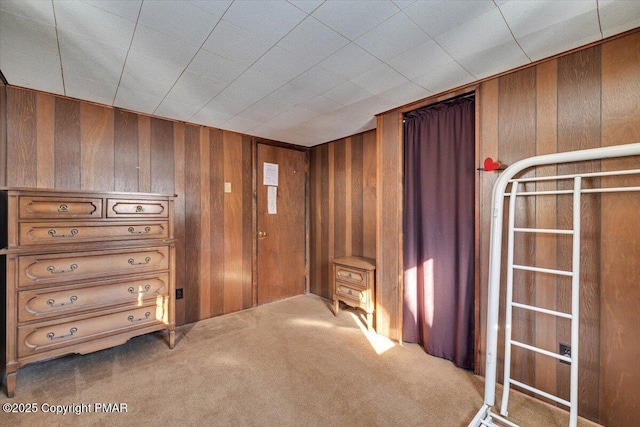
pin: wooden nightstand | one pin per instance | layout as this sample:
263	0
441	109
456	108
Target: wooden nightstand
354	284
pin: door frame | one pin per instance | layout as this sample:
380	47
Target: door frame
254	206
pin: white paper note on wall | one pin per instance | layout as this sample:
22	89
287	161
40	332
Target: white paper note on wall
270	174
272	196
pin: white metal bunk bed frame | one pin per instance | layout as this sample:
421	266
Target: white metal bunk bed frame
485	417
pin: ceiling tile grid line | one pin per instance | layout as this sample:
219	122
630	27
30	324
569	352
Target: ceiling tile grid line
299	71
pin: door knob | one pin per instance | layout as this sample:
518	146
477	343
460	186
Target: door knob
262	233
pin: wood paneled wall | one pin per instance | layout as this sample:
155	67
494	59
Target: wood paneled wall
343	205
3	133
589	98
56	142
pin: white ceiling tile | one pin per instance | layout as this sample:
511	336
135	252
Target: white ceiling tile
379	79
483	32
282	64
415	62
233	99
90	90
321	105
89	21
448	76
210	117
318	80
347	93
128	9
216	67
353	18
29	53
239	124
266	108
369	106
175	110
405	93
291	118
146	74
259	83
215	8
236	44
313	40
162	47
394	36
438	16
137	100
91	59
350	61
178	19
566	35
526	17
293	94
37	10
195	89
307	6
618	16
269	20
491	61
403	4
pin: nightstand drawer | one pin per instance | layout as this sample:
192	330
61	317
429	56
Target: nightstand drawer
351	293
352	276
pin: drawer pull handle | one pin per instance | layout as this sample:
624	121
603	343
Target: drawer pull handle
133	291
350	293
63	208
132	230
146	261
52	269
51	302
52	336
72	232
132	319
139	208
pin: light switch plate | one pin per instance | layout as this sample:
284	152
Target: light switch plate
227	187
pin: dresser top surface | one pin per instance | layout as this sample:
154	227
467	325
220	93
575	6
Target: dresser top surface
357	262
26	191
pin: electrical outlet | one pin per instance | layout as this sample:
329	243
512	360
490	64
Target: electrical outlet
179	293
565	350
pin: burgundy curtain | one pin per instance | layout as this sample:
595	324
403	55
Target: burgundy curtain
439	192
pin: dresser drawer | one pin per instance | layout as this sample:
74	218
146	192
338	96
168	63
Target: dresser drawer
59	207
57	268
348	291
44	303
63	232
118	208
353	277
38	338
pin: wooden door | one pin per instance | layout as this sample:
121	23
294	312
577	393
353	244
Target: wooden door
281	232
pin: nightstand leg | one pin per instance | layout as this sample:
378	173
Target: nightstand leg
172	339
370	321
336	306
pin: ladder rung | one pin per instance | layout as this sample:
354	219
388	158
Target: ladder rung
543	270
541	351
542	310
540	392
543	230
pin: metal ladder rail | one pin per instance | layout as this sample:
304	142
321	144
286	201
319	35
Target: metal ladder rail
575	304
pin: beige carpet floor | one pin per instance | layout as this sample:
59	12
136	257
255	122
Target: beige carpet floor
289	363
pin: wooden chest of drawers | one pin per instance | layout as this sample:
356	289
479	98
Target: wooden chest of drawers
354	284
82	272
